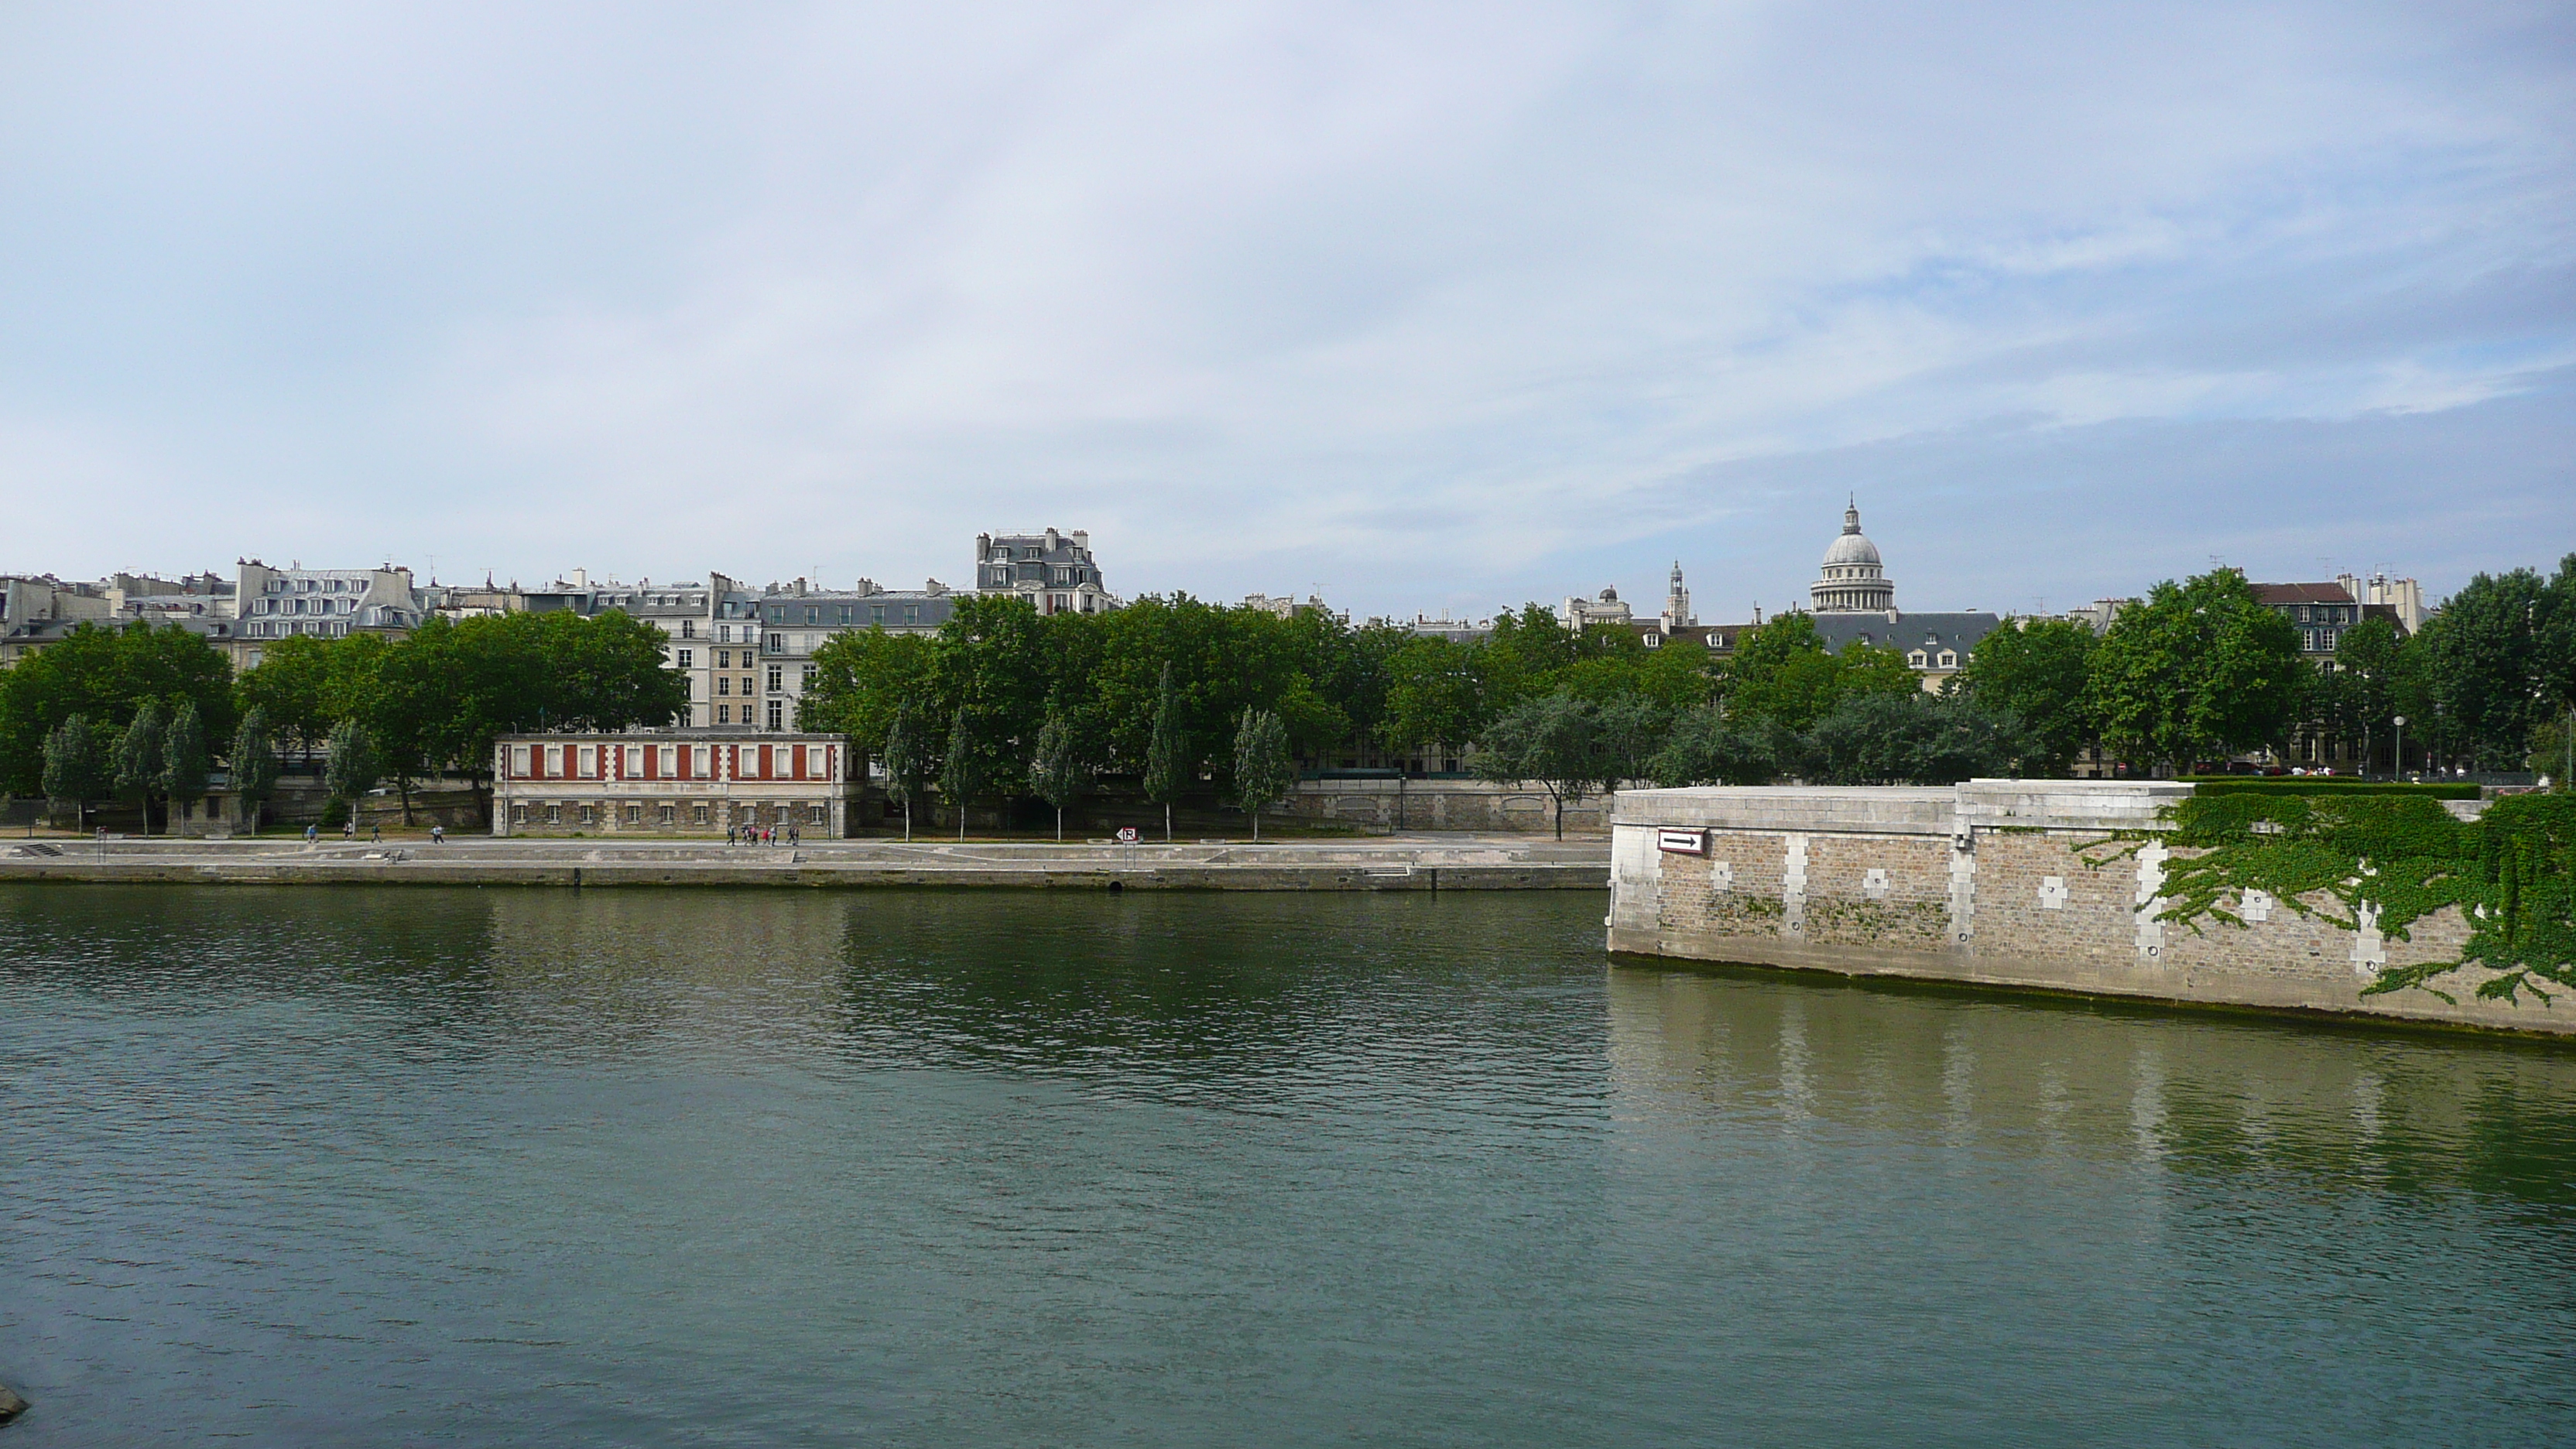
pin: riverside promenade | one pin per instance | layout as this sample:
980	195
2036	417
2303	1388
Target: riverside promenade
1425	862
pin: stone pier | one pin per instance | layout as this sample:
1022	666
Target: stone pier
2049	884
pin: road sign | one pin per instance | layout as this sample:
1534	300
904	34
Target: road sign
1126	835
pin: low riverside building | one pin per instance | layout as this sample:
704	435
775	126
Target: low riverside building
684	782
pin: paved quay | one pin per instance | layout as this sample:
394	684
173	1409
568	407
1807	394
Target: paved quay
1425	862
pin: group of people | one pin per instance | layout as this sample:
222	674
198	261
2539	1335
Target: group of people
375	833
761	835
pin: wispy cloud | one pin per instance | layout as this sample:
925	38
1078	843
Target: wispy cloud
1420	304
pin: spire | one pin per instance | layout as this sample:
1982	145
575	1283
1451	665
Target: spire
1851	515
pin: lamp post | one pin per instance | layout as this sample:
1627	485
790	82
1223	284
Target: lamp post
2401	747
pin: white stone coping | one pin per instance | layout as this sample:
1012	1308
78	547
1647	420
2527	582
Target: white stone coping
2091	805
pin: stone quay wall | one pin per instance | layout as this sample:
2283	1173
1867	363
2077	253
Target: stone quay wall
1478	805
2037	884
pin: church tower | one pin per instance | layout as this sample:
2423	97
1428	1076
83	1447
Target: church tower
1677	611
1853	579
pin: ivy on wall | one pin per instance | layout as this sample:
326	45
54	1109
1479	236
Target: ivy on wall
2512	873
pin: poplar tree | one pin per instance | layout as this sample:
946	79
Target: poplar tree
253	765
907	766
355	765
957	775
138	758
1262	769
78	767
183	758
1057	771
1166	759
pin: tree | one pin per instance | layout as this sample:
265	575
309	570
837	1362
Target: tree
292	686
907	766
1167	759
1263	769
106	675
1704	747
1435	696
2367	661
355	765
2200	670
959	776
139	758
253	765
79	766
1783	673
184	765
1555	740
1916	739
2035	670
1057	771
2488	662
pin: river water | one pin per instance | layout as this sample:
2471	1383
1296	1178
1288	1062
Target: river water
776	1168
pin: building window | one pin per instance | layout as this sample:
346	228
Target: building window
688	658
776	678
876	613
777	643
634	814
518	814
589	816
746	683
845	613
1918	659
805	680
813	614
1949	658
519	761
688	628
912	613
724	712
777	714
554	815
697	815
724	685
670	814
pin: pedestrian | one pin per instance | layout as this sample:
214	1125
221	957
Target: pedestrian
349	829
438	835
376	833
795	834
729	833
312	834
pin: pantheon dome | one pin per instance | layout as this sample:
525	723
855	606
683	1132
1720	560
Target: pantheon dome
1852	579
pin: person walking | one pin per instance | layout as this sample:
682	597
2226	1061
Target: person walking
312	834
349	828
376	833
795	835
729	840
438	835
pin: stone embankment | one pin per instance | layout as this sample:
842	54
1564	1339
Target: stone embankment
2001	883
1401	864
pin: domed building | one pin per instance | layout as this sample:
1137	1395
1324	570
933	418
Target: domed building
1853	579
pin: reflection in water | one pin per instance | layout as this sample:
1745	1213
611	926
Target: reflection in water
630	1167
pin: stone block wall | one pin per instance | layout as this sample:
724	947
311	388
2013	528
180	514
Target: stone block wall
2041	884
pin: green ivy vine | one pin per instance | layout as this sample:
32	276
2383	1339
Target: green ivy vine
2512	873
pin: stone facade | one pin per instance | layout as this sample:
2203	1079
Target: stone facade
1391	804
2048	884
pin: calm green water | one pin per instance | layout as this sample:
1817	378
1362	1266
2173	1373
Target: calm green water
415	1167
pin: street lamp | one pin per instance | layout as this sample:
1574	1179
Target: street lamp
2401	747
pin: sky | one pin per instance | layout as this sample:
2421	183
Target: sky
1419	307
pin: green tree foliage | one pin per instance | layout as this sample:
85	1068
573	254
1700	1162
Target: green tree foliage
1058	773
355	765
2035	671
2494	664
907	762
292	686
959	777
1783	674
440	698
1167	756
80	766
1706	747
105	675
1263	768
1557	741
2198	671
184	763
864	680
1435	695
1878	738
252	763
139	758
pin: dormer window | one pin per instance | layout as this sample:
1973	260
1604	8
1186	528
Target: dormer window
1918	659
1949	658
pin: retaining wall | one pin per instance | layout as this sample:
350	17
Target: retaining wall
1997	882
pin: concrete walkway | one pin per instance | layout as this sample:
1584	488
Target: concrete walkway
1409	862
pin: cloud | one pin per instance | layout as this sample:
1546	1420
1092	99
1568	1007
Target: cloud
1418	304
